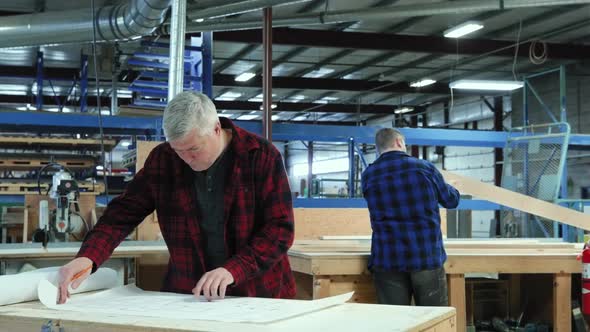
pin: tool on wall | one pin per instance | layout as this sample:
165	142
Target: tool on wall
58	224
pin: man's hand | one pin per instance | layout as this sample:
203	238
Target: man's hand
213	284
67	272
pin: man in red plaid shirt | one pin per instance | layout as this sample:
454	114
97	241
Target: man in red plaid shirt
223	203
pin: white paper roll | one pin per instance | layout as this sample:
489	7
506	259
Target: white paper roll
22	287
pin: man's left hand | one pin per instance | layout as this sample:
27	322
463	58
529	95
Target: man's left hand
213	284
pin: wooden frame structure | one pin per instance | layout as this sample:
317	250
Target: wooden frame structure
325	268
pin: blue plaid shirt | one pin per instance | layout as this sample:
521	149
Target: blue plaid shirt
403	194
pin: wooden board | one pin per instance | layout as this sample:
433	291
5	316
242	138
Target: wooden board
316	223
312	223
518	201
13	187
148	230
32	163
151	269
56	143
68	250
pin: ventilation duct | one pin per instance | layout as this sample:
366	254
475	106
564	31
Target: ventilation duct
129	20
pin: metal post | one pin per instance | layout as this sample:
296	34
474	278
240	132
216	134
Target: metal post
267	75
114	98
84	83
525	119
498	154
177	29
207	47
566	229
39	81
309	168
351	170
415	149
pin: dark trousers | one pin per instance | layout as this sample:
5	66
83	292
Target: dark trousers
429	287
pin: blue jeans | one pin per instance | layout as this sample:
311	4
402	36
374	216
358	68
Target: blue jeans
428	287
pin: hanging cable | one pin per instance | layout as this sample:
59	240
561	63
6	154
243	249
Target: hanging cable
538	58
100	127
516	50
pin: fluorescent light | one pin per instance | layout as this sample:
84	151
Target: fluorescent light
422	83
463	29
258	98
493	85
319	73
229	96
125	143
298	97
247	117
243	77
199	20
403	110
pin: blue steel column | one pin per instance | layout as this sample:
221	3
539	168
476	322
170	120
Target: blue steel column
39	81
207	46
351	170
84	83
195	73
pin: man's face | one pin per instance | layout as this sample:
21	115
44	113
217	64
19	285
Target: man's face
199	152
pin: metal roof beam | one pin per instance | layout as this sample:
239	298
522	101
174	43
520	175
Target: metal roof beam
397	42
304	83
309	107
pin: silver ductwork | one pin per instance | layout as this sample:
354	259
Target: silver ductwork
125	21
211	10
376	13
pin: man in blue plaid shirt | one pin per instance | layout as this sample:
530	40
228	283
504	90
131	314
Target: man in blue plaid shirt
403	194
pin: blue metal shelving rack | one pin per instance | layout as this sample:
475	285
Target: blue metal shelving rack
152	63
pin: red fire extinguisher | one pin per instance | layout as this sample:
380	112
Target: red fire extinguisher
586	280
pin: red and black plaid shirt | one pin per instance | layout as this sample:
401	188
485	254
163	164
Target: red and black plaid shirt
258	217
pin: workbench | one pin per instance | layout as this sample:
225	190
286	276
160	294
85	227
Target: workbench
325	268
351	317
14	256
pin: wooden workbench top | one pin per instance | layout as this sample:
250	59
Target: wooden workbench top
351	317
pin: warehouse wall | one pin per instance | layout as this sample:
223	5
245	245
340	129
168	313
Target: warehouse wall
474	162
578	116
330	167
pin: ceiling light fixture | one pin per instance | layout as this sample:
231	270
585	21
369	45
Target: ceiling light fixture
243	77
403	110
422	83
463	29
491	85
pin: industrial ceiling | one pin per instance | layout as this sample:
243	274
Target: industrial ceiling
344	62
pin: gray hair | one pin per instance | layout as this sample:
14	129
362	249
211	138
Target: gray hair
385	138
189	110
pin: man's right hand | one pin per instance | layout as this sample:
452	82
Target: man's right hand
67	272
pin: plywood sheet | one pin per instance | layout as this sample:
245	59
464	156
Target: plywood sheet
517	201
312	223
